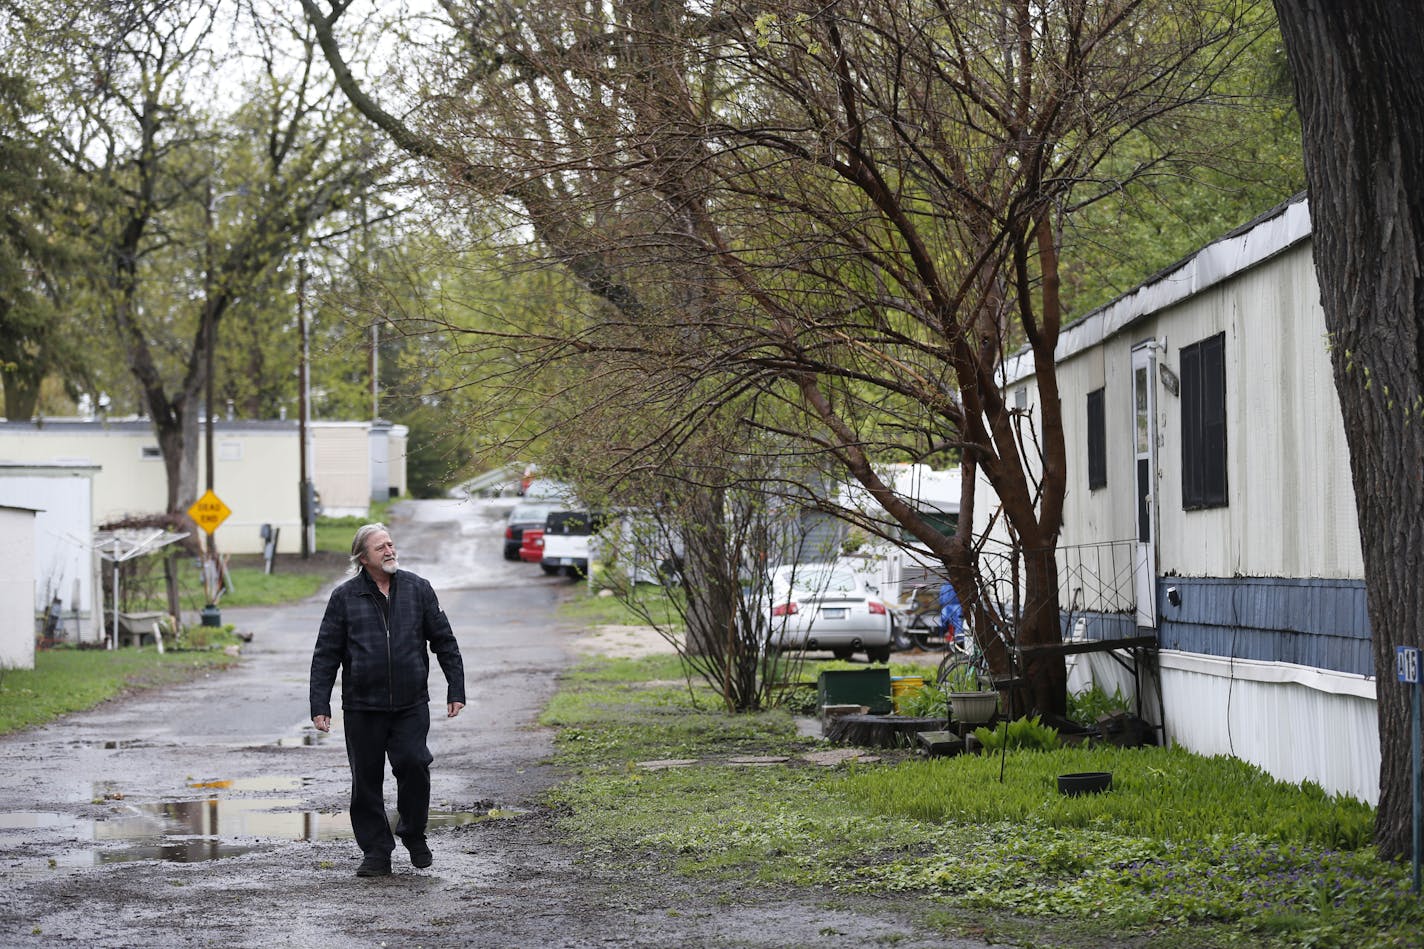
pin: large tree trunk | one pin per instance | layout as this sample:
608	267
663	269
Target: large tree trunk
711	607
1047	673
21	395
177	431
1357	75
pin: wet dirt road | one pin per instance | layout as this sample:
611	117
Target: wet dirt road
213	813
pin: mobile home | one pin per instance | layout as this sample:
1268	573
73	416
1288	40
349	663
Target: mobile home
1206	454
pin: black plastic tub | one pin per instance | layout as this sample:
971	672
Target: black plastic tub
1085	782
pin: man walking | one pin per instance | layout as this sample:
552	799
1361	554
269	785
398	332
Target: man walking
375	630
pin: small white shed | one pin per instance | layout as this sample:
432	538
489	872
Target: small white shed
17	588
62	497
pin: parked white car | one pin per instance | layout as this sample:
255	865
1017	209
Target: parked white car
827	606
566	541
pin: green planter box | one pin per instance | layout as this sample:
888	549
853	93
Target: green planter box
868	687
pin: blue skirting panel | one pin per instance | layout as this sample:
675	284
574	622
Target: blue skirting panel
1319	623
1100	625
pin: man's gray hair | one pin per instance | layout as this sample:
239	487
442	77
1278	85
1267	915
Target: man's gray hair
358	543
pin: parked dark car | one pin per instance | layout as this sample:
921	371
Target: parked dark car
525	514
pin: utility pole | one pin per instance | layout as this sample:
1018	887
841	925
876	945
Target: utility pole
212	572
208	338
367	298
303	411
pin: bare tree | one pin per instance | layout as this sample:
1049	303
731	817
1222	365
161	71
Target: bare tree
686	544
190	207
1356	69
856	210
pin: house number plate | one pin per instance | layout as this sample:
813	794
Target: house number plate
1406	663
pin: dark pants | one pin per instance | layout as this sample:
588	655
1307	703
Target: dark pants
371	737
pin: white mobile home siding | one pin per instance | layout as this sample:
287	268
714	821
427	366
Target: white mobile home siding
256	472
1287	464
64	567
128	480
257	476
17	589
341	467
387	454
397	482
257	469
1266	656
1288	470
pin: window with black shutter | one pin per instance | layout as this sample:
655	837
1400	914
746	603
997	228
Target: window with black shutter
1097	442
1204	423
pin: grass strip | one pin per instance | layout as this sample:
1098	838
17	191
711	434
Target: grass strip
71	680
1185	850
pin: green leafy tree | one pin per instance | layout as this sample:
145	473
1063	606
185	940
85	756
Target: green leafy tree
192	209
1245	158
35	341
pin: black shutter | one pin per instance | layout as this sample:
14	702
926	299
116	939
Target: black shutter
1204	423
1097	441
1213	359
1191	426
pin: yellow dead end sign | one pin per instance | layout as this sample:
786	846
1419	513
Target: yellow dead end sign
209	511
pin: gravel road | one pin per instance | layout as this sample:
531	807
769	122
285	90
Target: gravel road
213	814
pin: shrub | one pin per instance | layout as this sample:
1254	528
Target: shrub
208	637
929	701
1087	707
1028	733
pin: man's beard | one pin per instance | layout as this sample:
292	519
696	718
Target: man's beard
390	566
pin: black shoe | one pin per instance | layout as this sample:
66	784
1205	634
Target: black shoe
374	867
420	856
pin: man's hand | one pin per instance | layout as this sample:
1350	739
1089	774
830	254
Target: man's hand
453	709
322	723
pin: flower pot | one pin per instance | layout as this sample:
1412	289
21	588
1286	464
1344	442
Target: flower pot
973	708
1084	782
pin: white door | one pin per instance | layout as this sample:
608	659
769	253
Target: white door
1144	458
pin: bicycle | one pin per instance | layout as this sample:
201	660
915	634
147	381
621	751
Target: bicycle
964	668
920	626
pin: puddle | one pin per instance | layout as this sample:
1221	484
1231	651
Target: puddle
263	784
170	851
208	829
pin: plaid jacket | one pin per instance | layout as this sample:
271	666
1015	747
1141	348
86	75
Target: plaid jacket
383	666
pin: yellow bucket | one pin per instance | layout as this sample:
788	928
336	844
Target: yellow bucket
901	686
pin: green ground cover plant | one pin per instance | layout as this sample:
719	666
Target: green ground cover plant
614	611
70	680
209	637
928	701
252	587
653	603
1021	733
1088	706
1185	850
